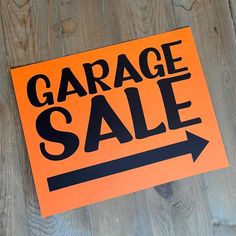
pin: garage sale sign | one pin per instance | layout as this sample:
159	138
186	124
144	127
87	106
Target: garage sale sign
118	119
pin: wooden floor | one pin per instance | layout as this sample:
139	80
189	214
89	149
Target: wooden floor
35	30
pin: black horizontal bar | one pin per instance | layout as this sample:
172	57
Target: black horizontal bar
116	166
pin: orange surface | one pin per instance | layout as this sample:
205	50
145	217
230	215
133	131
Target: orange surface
194	90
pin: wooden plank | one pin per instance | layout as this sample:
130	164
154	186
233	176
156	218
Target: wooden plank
13	219
212	25
222	229
181	208
232	10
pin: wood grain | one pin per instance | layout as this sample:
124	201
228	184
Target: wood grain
213	26
33	30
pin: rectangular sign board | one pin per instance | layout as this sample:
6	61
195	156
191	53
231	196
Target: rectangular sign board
118	119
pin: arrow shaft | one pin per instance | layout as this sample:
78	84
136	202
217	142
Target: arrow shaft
117	166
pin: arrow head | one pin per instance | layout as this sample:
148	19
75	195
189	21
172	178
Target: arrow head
196	144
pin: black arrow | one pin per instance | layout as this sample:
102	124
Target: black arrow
193	145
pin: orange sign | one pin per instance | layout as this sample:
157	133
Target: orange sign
115	120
